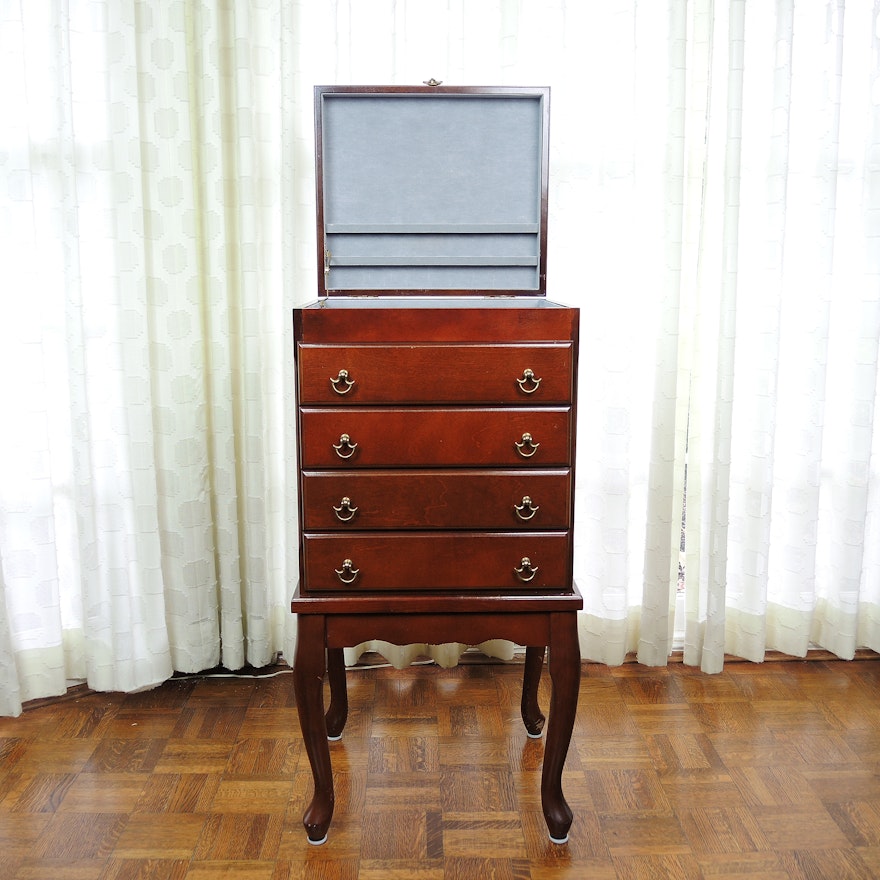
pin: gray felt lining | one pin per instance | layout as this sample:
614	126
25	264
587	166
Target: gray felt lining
438	192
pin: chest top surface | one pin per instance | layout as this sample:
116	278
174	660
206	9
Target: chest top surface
435	319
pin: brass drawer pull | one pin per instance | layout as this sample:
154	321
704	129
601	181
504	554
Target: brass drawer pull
345	448
526	570
527	447
348	573
529	380
526	510
345	512
342	384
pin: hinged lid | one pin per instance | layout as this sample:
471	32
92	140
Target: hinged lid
431	190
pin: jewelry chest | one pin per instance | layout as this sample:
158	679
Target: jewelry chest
436	394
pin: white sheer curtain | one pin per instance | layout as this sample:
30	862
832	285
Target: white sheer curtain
713	212
782	527
144	500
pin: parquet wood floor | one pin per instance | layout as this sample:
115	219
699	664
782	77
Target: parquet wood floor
769	771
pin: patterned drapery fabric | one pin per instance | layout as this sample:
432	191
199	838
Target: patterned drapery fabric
144	502
713	211
782	304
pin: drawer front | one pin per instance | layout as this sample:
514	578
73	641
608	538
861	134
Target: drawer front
435	437
458	499
373	374
413	561
346	320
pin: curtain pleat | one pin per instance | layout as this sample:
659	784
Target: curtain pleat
142	202
781	463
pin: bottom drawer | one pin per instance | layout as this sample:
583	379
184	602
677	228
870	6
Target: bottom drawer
407	561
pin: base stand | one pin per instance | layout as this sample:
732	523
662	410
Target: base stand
326	625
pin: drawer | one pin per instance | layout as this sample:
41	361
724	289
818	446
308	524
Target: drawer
435	437
412	561
376	374
404	320
441	499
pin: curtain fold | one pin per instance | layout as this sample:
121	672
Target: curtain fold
713	212
144	505
781	462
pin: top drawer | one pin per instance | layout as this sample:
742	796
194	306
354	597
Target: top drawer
491	374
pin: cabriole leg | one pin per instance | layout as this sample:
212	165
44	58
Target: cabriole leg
565	672
308	682
532	716
337	714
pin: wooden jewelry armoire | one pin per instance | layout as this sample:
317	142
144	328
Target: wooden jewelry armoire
436	393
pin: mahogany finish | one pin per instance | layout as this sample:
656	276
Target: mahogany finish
434	436
437	561
447	499
436	523
432	374
321	637
435	405
501	320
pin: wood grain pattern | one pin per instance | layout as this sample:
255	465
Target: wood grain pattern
767	773
424	374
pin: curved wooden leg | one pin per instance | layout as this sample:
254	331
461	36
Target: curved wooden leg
565	673
337	714
532	716
308	683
